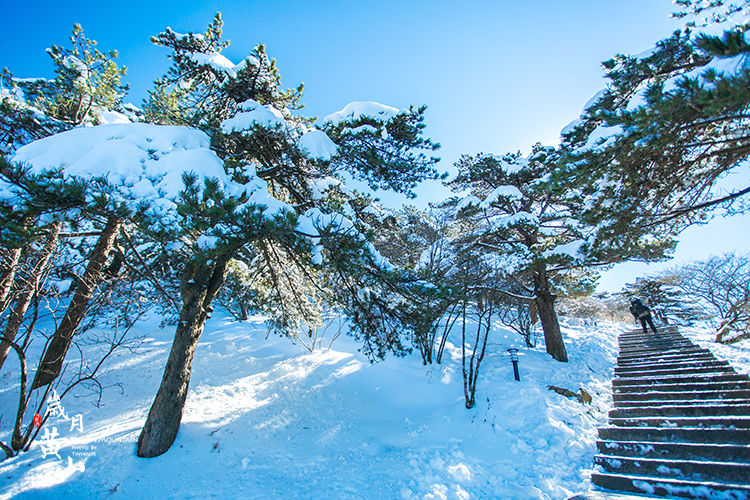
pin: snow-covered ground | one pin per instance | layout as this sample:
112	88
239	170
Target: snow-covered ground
268	419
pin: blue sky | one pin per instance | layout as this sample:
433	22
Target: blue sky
497	76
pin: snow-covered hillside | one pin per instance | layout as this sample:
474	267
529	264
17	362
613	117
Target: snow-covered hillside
267	419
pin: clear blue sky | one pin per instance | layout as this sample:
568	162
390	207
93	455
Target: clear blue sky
497	76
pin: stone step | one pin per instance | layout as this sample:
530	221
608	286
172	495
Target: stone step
608	495
681	434
681	379
646	354
682	411
658	356
687	394
693	470
656	344
720	422
674	488
697	386
661	331
670	365
680	426
658	337
714	370
652	339
682	451
682	402
671	358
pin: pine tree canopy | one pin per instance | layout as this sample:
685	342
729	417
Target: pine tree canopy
649	153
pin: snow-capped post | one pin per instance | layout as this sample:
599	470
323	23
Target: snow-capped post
514	361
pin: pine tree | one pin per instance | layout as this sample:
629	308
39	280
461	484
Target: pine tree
649	151
289	223
522	230
87	80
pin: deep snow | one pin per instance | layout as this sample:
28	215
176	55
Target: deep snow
267	419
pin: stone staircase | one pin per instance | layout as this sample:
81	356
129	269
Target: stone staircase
680	426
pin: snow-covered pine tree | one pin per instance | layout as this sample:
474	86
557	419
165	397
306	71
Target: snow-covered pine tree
649	153
33	208
702	13
87	81
20	121
285	207
522	230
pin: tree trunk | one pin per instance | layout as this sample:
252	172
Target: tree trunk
9	258
545	304
199	285
24	299
54	356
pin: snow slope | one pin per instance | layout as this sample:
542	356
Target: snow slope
267	419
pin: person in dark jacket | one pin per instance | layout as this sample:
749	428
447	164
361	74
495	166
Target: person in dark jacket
639	310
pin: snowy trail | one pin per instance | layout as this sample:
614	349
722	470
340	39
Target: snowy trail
267	419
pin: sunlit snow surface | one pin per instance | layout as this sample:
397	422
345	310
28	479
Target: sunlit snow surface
268	419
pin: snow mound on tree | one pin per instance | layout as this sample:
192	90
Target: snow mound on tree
253	113
358	109
317	144
143	165
216	61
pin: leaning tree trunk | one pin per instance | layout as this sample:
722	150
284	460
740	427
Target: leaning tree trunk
545	303
30	288
199	285
9	258
51	364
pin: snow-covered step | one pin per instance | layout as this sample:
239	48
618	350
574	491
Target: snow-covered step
681	434
659	337
637	332
716	387
680	371
719	452
641	354
671	487
687	394
695	410
694	470
682	402
654	340
608	495
721	422
681	379
697	386
654	343
668	365
667	358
